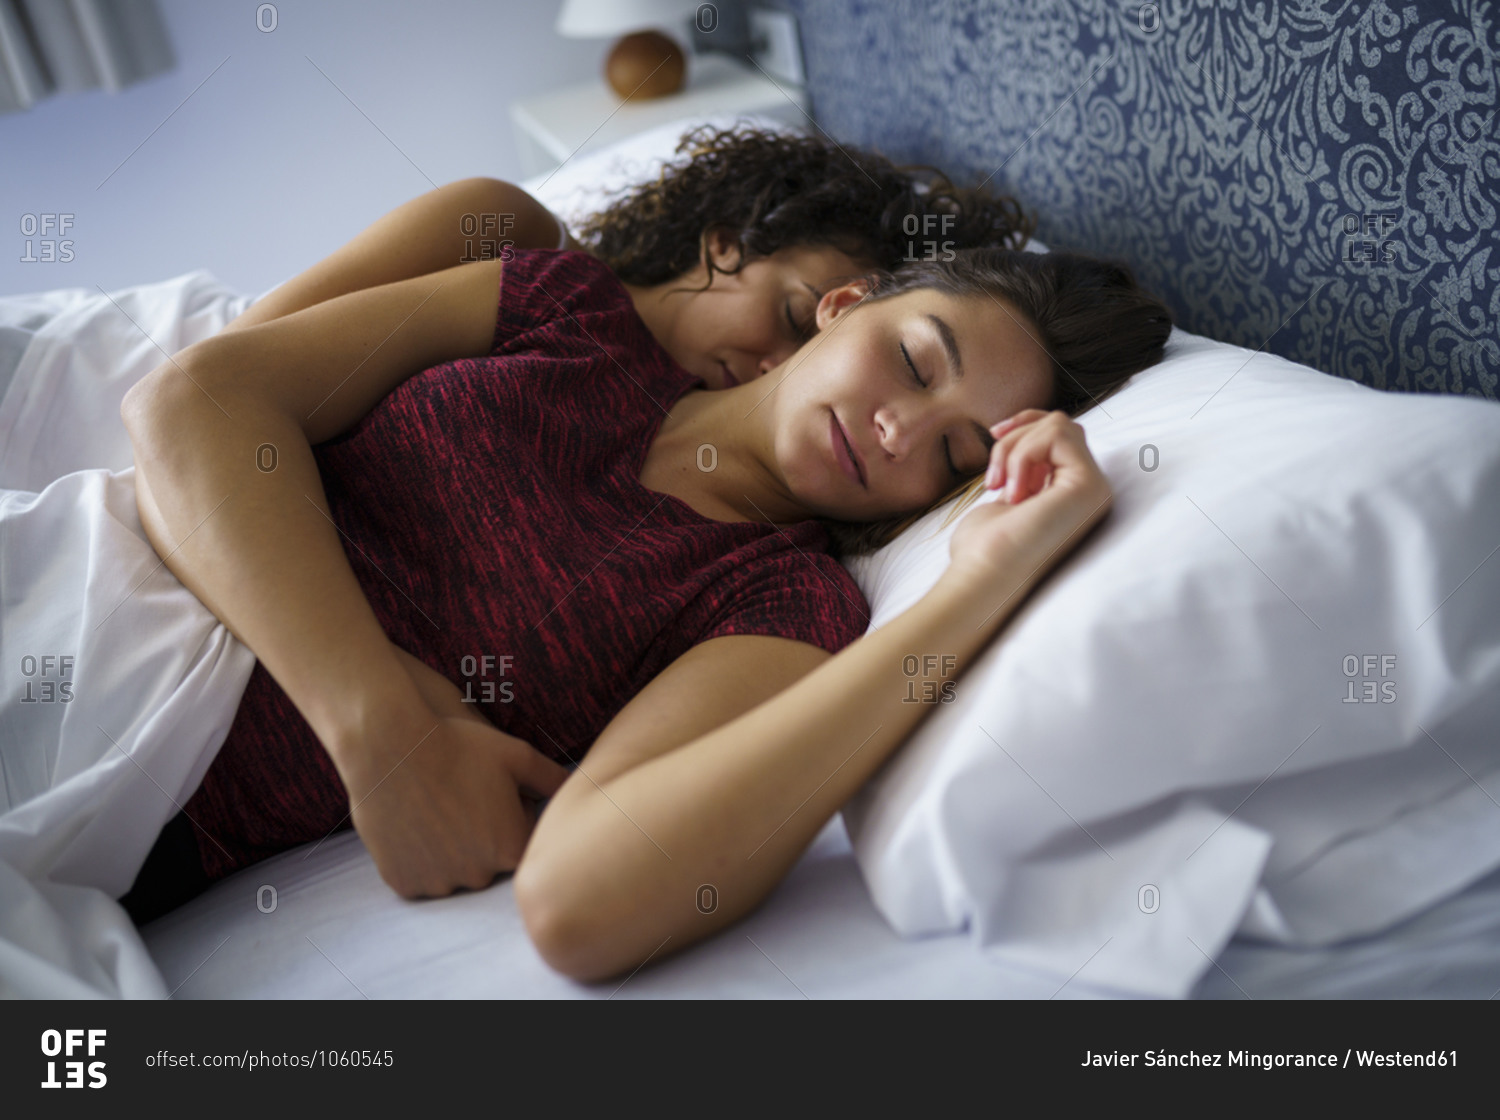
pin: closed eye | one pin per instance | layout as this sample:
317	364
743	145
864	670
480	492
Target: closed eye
947	448
917	377
800	333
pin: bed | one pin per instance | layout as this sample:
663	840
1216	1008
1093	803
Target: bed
320	924
336	932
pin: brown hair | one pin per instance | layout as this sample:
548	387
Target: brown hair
773	190
1091	317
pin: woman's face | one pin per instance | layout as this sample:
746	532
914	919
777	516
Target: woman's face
888	407
746	322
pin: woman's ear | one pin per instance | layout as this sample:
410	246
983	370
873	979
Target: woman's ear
836	302
721	249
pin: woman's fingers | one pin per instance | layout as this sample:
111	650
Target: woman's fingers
1004	433
1038	528
1030	457
1026	459
1025	416
534	771
514	831
453	814
1008	434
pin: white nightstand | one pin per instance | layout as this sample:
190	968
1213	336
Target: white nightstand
553	126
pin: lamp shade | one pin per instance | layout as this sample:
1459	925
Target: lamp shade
600	19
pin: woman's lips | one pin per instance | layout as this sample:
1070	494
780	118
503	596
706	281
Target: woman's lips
730	380
843	450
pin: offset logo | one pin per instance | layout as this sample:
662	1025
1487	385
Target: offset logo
1363	668
929	247
929	678
488	691
65	1044
48	678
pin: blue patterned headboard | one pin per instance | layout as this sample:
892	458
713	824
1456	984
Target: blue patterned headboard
1317	177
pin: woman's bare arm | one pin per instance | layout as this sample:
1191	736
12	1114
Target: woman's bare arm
440	694
459	223
434	794
721	772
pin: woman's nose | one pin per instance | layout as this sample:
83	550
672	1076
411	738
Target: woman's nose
904	430
774	358
893	432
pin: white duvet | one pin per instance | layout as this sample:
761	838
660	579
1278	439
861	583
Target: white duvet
118	685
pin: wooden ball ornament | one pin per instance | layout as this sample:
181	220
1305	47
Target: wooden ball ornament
644	65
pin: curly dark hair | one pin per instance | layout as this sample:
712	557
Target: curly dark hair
1096	323
773	190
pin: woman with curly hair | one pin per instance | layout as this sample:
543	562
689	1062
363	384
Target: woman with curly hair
725	254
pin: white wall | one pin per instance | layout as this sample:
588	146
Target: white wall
267	167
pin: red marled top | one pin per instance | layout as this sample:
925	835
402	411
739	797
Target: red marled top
492	509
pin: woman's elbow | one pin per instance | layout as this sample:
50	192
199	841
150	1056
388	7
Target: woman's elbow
144	403
160	406
151	399
567	932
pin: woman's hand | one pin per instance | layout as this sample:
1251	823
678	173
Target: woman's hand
1054	493
449	811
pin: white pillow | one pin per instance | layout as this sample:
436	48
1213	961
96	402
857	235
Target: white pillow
586	183
1180	734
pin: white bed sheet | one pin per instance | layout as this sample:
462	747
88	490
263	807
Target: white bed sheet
336	932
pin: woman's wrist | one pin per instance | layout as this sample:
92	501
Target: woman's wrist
442	696
372	727
988	591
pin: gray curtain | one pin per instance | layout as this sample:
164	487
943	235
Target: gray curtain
53	46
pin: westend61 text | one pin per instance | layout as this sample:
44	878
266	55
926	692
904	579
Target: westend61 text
1244	1059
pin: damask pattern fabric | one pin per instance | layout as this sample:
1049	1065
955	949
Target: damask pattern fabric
1319	178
